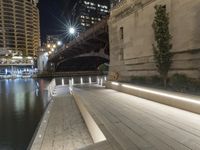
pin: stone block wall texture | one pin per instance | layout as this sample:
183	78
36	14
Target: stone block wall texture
133	55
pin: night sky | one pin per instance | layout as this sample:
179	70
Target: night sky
52	19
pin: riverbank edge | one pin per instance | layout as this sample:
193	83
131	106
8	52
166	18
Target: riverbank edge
41	128
37	139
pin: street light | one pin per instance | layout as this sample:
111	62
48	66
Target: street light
59	43
72	30
49	45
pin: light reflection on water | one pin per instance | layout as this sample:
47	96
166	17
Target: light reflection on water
21	107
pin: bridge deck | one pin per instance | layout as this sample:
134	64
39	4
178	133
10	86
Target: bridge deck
132	123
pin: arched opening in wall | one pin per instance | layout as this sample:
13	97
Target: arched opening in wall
81	64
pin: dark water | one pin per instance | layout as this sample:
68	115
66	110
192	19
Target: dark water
21	108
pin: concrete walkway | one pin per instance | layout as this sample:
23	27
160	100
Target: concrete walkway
133	123
65	128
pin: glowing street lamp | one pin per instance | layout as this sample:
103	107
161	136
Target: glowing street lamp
59	43
49	45
54	46
72	30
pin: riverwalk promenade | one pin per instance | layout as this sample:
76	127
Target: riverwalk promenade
62	127
127	122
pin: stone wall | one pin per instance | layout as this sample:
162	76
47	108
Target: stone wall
133	55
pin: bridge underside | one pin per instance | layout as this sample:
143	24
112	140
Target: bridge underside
81	64
84	53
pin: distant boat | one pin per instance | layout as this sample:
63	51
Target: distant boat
26	74
4	75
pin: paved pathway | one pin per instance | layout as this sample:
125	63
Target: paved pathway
132	123
65	128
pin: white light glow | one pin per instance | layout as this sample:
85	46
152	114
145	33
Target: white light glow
17	57
29	58
90	80
81	79
114	83
162	94
72	30
48	45
59	43
63	83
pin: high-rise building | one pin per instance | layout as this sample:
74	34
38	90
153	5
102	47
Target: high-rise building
19	26
114	2
89	12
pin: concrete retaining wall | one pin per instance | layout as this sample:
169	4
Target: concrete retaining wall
186	102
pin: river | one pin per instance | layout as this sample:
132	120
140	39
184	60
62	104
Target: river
22	103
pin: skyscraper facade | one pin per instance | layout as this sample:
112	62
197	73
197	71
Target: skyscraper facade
19	26
88	12
114	2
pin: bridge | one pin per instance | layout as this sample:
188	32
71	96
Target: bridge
86	52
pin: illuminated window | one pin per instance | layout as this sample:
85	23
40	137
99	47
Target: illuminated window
87	3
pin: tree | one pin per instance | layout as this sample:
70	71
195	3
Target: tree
162	45
103	68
